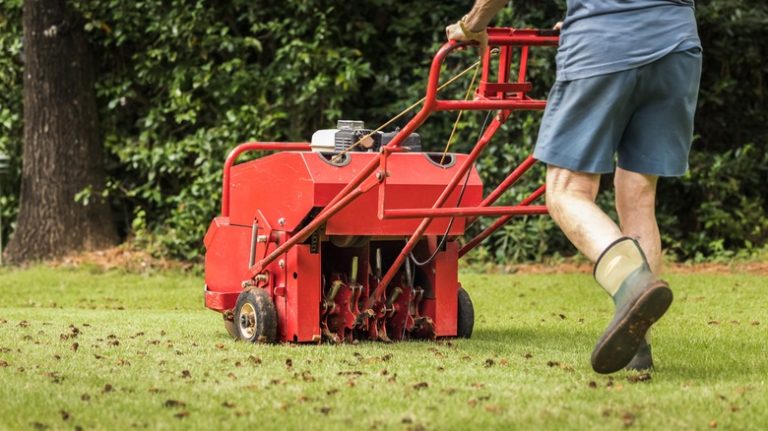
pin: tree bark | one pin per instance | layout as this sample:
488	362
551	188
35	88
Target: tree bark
62	153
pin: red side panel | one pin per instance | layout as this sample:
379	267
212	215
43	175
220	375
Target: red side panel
279	185
286	186
226	262
302	314
446	288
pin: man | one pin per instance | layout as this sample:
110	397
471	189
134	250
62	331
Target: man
627	84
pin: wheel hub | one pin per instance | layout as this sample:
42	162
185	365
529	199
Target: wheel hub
247	321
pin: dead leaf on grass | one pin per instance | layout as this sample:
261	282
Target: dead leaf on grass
85	397
3	363
254	360
185	374
181	415
713	423
488	363
74	347
54	376
627	419
421	385
493	408
307	376
172	404
350	373
637	378
228	405
289	363
107	388
64	415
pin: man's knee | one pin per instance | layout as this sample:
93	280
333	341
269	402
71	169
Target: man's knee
563	183
634	189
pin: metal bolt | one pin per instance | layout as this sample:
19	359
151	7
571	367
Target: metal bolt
281	221
281	263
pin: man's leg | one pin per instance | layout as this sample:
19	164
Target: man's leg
636	205
571	203
620	266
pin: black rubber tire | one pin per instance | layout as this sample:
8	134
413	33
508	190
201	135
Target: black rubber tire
259	305
466	315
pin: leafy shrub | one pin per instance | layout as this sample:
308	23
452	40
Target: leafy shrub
181	82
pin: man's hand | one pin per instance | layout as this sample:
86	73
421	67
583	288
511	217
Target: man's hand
460	32
473	25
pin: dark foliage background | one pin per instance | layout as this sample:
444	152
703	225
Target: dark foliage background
180	82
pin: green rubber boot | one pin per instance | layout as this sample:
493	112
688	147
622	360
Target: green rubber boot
643	359
641	299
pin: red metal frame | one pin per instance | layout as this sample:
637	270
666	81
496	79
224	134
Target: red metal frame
501	95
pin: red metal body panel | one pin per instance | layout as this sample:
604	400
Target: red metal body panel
226	263
288	185
302	316
445	282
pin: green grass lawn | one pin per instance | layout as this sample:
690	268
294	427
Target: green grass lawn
81	348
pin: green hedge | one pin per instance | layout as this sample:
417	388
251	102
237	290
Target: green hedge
181	82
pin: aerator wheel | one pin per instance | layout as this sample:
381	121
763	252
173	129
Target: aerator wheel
466	318
255	317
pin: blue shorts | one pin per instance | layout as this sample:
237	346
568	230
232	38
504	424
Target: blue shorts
644	116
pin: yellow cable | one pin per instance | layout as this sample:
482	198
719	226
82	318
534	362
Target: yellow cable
458	118
408	109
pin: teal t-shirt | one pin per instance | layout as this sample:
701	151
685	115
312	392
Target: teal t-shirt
606	36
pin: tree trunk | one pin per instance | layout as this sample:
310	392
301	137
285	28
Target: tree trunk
62	152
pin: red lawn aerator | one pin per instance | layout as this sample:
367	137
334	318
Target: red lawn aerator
354	235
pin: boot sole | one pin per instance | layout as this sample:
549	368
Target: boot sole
621	340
